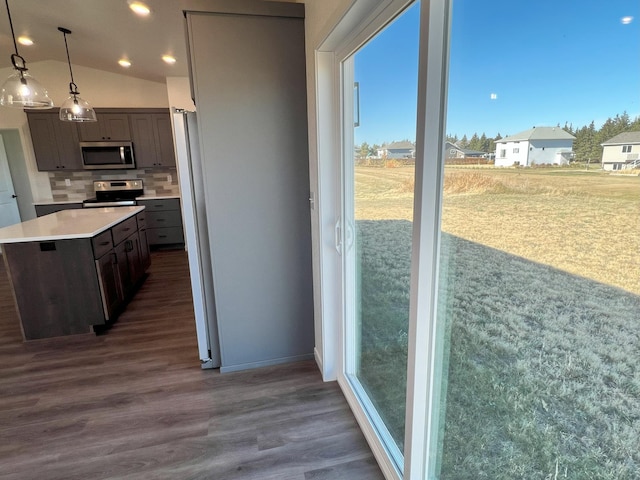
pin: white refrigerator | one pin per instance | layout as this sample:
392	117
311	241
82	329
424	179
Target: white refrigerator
194	216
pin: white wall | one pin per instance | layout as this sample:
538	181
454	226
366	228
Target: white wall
614	154
548	151
511	157
179	93
99	88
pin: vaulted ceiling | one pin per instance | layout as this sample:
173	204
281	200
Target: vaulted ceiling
103	31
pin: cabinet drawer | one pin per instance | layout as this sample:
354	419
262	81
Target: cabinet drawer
161	204
169	218
164	236
142	220
102	244
124	229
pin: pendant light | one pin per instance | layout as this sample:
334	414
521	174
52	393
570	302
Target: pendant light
21	90
74	109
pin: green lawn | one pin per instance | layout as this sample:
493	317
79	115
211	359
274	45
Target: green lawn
539	295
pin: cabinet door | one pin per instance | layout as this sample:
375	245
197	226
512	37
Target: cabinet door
110	286
110	126
145	256
132	247
43	137
116	126
68	142
122	263
166	156
143	137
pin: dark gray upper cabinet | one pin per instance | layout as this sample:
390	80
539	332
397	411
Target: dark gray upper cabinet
55	143
152	140
109	127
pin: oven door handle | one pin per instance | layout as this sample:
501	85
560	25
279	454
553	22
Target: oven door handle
122	159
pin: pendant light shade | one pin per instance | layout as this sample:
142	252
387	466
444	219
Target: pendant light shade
74	108
21	90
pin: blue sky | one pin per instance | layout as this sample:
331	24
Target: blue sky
546	62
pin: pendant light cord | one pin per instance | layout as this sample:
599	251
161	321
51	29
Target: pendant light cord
13	34
68	58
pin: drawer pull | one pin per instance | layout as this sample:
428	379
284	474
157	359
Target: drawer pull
160	219
104	244
162	236
126	229
159	206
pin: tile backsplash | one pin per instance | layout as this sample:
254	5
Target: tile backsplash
157	181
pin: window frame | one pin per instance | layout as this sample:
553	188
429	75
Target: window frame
352	29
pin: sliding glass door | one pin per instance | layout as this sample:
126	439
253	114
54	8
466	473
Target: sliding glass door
380	82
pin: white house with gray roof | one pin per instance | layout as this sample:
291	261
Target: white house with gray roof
621	152
397	150
536	146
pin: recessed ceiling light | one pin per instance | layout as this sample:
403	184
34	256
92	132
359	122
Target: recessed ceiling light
139	8
124	63
169	59
23	40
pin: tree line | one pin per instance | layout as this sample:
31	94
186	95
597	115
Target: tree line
586	146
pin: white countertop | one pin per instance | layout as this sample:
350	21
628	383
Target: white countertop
67	224
55	202
156	197
63	202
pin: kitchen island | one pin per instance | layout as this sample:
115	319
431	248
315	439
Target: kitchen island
73	271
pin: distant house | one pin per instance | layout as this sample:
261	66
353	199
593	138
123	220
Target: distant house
621	152
397	150
454	151
536	146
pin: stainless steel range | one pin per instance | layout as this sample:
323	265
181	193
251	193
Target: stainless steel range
115	193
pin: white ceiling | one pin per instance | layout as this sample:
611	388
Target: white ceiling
103	31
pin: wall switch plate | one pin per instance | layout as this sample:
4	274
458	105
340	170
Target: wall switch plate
169	178
67	182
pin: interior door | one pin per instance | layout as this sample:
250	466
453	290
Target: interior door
9	213
380	98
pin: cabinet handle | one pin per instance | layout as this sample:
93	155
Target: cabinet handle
104	244
162	236
126	229
128	246
160	219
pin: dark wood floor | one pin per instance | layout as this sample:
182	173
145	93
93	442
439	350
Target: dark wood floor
133	403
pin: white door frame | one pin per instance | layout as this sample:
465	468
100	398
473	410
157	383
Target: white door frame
423	384
9	212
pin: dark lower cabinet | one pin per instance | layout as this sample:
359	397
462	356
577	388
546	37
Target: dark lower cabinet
164	222
56	287
110	288
68	287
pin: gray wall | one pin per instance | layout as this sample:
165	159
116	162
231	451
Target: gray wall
248	74
19	174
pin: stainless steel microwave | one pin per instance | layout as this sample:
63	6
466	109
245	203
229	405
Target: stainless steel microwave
107	155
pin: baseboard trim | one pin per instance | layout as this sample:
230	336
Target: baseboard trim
266	363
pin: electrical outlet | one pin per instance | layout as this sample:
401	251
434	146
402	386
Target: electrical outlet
169	178
67	182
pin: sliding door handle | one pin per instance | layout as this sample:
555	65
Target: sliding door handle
338	236
356	104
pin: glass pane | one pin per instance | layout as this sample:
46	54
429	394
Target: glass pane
385	72
540	246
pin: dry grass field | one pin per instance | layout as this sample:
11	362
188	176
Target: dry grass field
540	310
584	222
